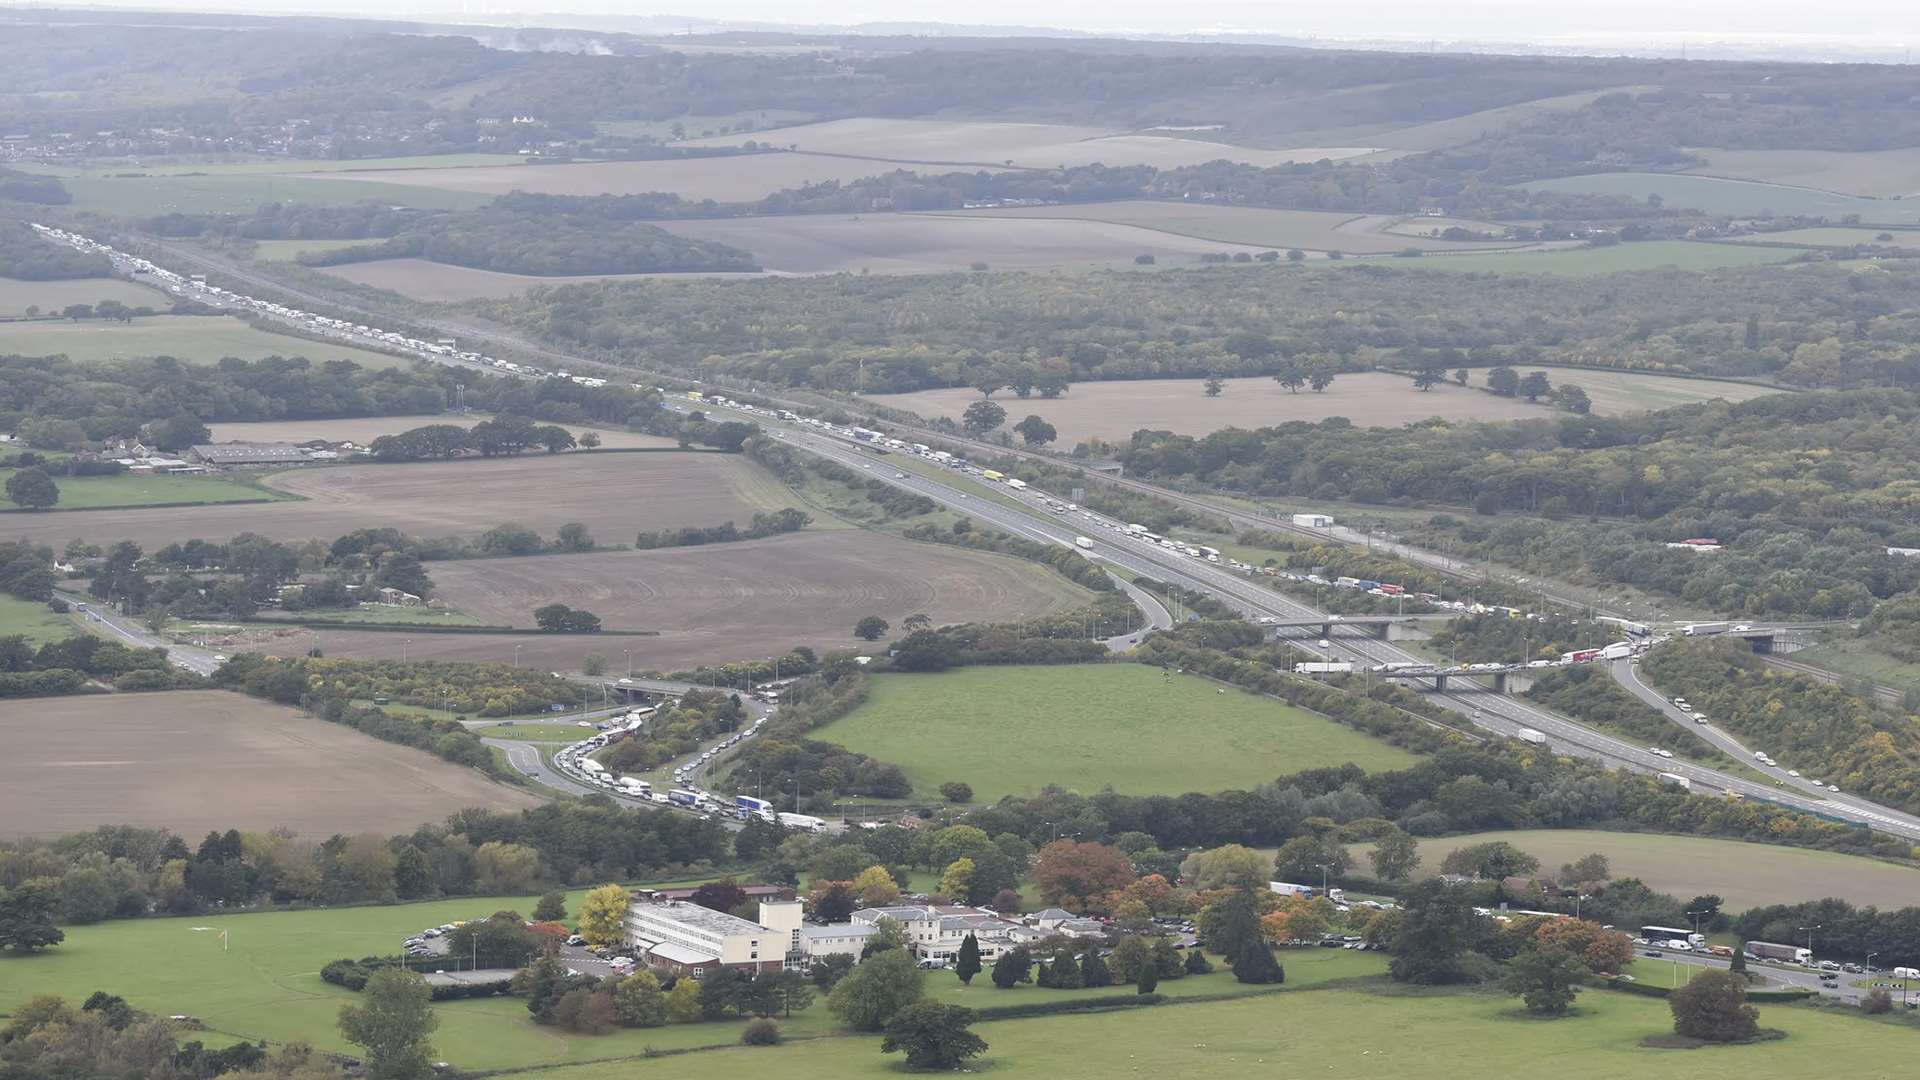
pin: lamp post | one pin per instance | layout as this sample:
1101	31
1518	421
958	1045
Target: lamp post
516	655
1577	897
629	663
1808	930
1323	877
404	642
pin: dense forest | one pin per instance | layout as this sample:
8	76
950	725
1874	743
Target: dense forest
1819	326
31	188
1805	491
26	257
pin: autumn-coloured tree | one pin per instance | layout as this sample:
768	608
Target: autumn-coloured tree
1081	877
875	887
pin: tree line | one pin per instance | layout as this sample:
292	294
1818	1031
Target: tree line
1801	328
27	257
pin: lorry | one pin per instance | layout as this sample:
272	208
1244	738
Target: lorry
748	802
679	797
1136	530
1699	629
1323	667
1083	542
635	784
1531	735
1581	656
1619	650
1767	950
591	766
1676	780
802	822
1313	521
1288	888
1016	483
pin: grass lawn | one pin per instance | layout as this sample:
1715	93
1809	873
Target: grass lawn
1013	730
1858	657
132	489
33	620
199	339
562	733
1345	1033
1746	875
1645	255
267	984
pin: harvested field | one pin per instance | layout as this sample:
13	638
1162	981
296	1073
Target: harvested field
152	759
722	601
1585	261
1746	875
1312	230
197	339
1115	410
51	296
615	495
1034	146
1883	174
432	282
728	179
365	429
936	243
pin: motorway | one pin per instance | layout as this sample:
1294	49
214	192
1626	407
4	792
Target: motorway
1497	713
1628	675
1784	974
1500	714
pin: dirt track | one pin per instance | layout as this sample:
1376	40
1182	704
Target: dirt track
207	759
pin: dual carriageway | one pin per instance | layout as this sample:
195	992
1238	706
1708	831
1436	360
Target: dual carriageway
1026	514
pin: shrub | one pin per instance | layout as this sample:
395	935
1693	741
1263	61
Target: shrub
760	1033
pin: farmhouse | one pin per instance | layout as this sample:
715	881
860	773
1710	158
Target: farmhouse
686	939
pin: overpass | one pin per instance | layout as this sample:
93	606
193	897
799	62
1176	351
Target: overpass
1371	625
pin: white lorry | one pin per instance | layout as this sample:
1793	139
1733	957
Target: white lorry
1527	734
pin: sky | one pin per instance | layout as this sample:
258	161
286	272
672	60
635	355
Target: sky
1879	23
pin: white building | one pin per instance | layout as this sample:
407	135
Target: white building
687	939
934	931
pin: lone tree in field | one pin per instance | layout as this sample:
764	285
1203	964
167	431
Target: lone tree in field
1503	381
933	1036
32	488
1535	385
1291	377
870	628
1036	431
392	1023
1545	979
1713	1007
982	417
1214	385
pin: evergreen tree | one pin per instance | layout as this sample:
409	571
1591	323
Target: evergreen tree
1167	961
1094	971
1013	967
1148	981
967	964
1197	962
1254	963
1066	971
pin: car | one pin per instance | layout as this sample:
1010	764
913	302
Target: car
1833	787
1793	772
1650	952
899	476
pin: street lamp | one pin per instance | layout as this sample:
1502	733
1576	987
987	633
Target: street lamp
516	655
1808	930
1577	897
1323	877
404	642
629	663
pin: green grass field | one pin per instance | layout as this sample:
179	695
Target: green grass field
561	733
129	489
192	338
1859	657
266	985
1344	1033
49	296
1013	730
1741	198
1745	875
1581	262
34	621
419	616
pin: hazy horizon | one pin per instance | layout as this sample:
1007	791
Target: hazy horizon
1879	25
